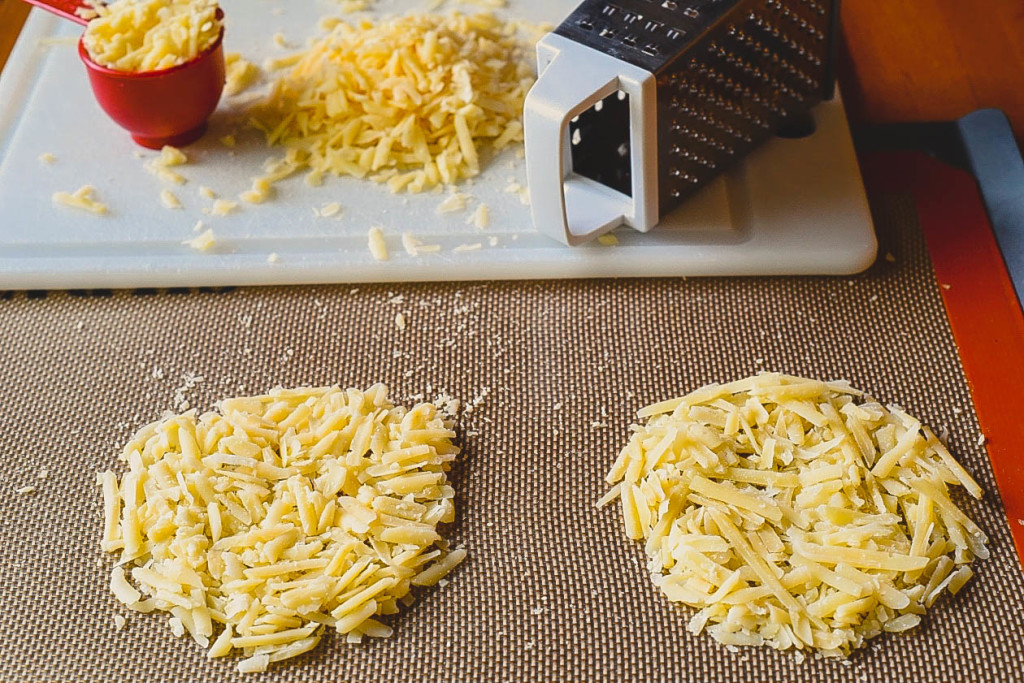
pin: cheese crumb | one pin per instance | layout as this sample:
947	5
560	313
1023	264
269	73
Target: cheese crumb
400	321
207	193
378	247
25	490
481	217
456	201
239	75
462	248
205	241
273	257
47	158
82	198
169	199
119	622
222	207
608	239
330	209
42	473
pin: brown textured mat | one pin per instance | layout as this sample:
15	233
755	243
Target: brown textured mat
552	589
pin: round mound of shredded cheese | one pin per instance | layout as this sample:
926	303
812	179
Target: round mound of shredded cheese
406	101
280	515
150	35
795	513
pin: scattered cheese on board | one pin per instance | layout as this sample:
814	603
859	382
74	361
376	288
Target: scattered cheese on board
83	198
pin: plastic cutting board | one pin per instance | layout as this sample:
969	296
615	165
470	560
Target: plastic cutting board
793	207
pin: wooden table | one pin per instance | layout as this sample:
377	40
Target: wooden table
902	60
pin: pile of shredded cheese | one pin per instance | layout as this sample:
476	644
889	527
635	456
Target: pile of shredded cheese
795	513
407	101
282	514
150	35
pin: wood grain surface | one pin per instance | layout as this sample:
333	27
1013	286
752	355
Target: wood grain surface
901	60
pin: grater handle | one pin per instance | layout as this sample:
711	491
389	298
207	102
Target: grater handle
569	84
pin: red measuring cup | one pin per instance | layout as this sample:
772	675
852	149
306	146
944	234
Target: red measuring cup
165	107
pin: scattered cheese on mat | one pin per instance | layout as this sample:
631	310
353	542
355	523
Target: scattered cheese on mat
378	248
207	193
150	35
42	473
119	622
407	101
795	513
198	227
47	158
400	321
169	199
25	490
480	218
202	242
275	516
239	74
330	209
608	240
82	198
462	248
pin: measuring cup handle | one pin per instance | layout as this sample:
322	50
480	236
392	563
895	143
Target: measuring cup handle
572	81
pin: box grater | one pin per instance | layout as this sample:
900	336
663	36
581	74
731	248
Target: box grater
639	103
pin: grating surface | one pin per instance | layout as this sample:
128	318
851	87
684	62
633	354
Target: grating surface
552	589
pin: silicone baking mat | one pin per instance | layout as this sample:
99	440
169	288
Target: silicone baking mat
551	589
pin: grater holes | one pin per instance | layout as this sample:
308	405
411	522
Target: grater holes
631	17
675	33
651	49
653	26
786	13
610	10
585	25
599	143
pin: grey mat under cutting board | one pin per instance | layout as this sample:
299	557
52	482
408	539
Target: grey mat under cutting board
551	589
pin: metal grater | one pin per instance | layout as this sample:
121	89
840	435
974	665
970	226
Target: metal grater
639	103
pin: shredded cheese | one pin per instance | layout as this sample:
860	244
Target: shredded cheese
204	241
239	74
407	101
150	35
169	199
83	198
378	247
280	514
795	513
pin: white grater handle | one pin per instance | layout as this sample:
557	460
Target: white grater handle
569	208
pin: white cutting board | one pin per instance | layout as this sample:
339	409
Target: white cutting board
793	207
